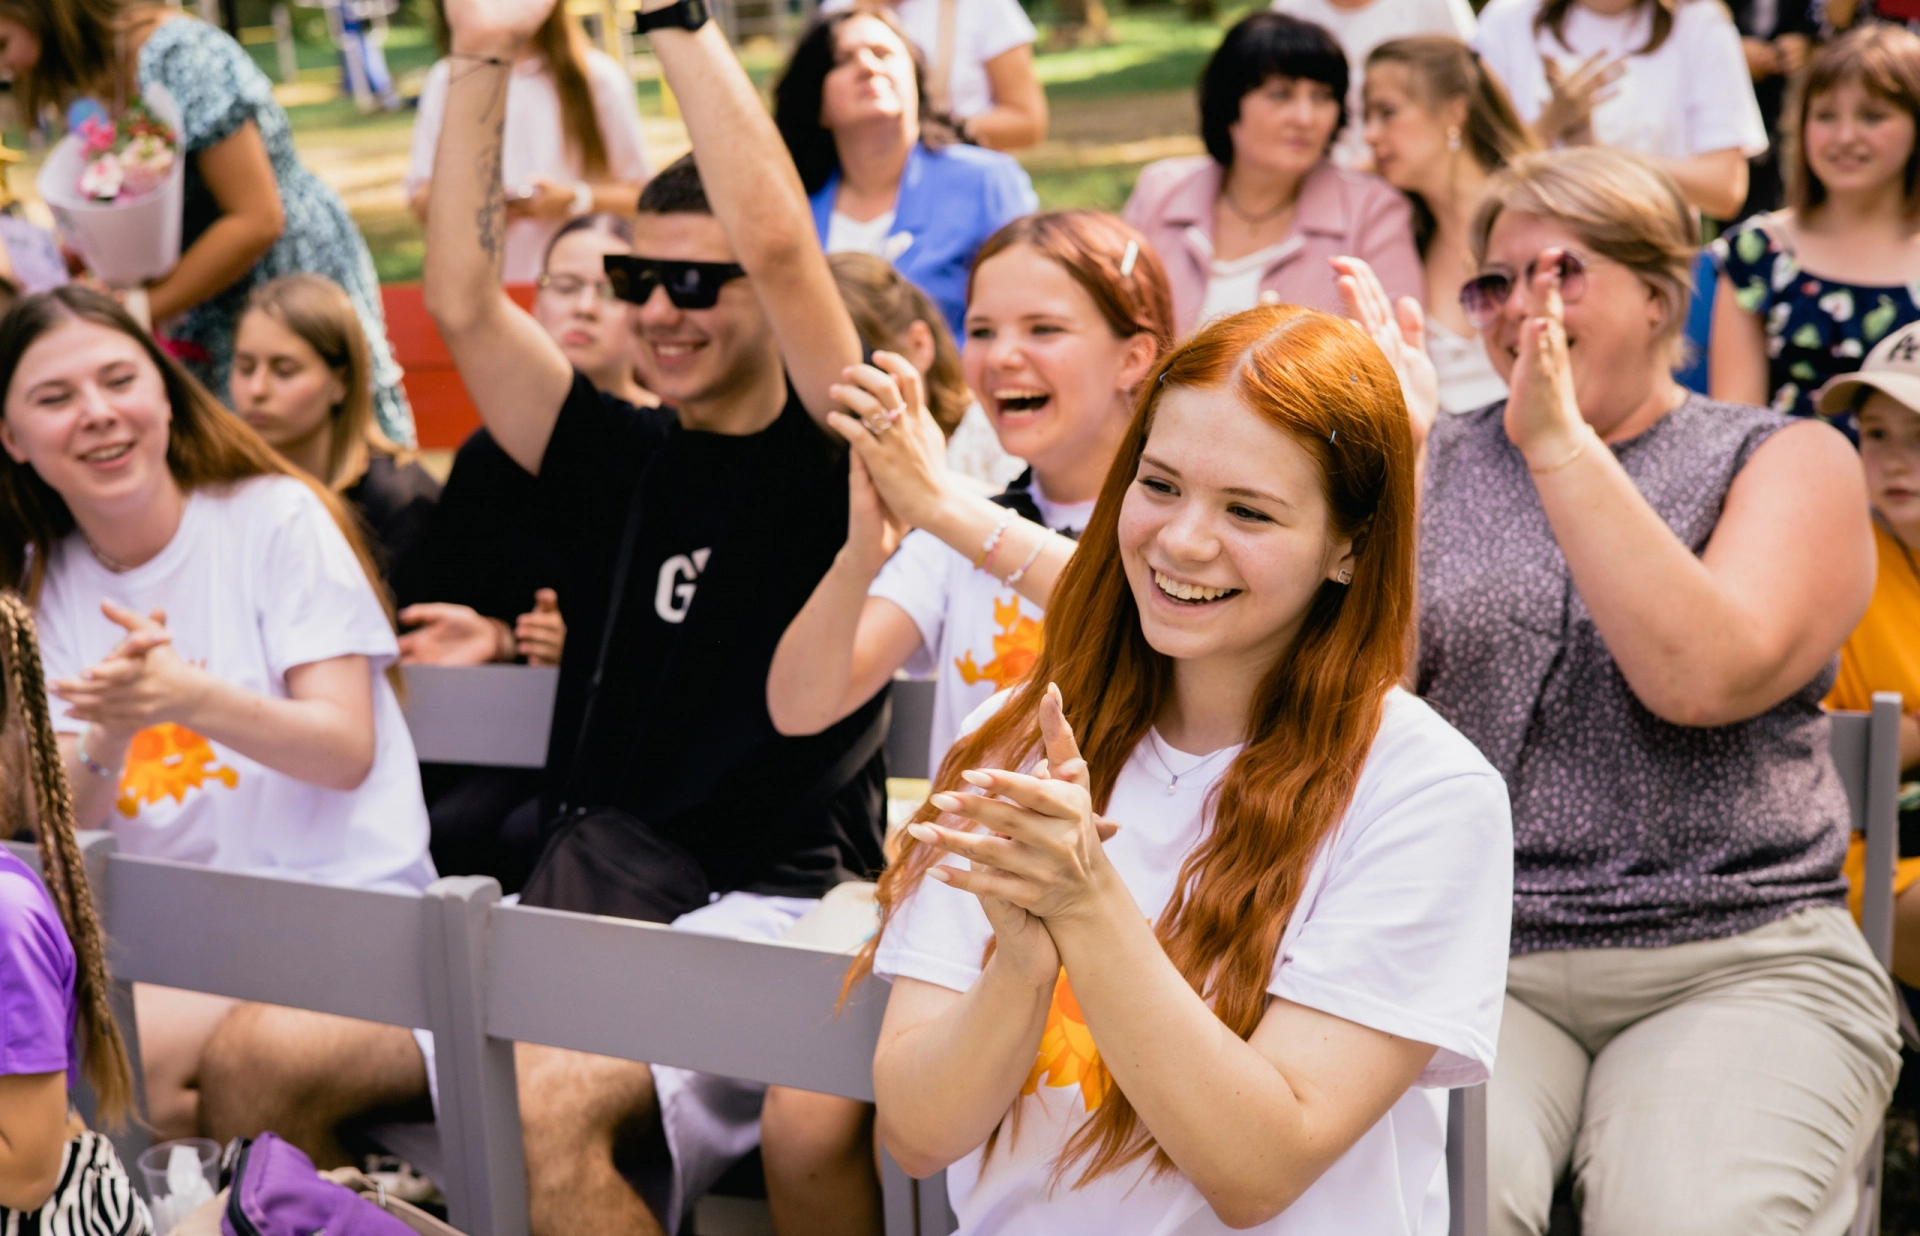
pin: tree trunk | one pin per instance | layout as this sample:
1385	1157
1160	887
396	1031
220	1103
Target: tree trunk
1201	10
1081	23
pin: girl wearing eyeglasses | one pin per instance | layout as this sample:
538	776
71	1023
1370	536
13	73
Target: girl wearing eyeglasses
301	377
1631	597
575	304
1806	292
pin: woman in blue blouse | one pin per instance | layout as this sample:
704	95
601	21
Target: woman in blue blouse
886	177
253	211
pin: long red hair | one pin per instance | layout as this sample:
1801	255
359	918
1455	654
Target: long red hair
1313	719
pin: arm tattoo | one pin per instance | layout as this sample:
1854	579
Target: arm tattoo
490	220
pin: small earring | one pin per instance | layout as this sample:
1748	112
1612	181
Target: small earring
1344	575
1453	139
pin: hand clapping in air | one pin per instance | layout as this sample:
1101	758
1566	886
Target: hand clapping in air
141	682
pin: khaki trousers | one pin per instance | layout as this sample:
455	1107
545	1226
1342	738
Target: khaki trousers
1719	1088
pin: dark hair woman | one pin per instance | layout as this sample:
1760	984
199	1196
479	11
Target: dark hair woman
883	172
253	210
1259	216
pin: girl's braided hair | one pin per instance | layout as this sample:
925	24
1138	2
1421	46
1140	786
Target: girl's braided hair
103	1052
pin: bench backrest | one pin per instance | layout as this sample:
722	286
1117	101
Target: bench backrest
1866	753
497	715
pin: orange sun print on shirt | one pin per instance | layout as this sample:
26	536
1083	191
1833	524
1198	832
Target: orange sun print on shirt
165	761
1067	1055
1015	649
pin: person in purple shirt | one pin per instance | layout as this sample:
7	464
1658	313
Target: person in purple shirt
55	1025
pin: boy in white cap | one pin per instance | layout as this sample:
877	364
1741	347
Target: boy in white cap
1883	653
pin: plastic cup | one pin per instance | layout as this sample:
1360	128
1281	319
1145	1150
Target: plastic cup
173	1194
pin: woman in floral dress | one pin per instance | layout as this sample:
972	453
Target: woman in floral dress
1804	293
252	212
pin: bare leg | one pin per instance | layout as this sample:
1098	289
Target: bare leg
574	1109
819	1156
174	1028
301	1074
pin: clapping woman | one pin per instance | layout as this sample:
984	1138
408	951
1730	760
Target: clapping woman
1237	1010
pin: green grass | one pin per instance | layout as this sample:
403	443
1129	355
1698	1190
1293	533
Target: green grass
1153	50
1101	187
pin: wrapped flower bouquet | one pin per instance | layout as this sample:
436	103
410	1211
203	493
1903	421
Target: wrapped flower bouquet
116	189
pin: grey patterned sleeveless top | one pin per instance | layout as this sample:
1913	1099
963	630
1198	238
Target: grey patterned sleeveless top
1628	831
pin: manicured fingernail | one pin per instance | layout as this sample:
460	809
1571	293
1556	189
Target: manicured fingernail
922	832
974	776
940	874
946	802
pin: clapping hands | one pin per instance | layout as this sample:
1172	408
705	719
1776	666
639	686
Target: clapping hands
141	682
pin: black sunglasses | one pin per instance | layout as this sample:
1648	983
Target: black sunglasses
689	285
1482	298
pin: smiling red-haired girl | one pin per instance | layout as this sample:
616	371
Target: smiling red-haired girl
1206	913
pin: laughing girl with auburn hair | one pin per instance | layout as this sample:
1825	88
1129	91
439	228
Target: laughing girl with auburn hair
1221	948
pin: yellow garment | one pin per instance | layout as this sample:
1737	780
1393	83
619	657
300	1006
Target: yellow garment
1882	654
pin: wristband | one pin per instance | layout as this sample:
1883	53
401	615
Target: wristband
582	203
140	307
993	540
93	766
1039	545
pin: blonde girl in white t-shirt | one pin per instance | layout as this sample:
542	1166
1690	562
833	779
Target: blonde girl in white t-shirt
1241	1008
1066	314
211	628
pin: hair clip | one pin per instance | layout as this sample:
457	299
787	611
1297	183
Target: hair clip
1332	436
1163	377
1127	259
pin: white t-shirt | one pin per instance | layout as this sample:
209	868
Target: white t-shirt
257	580
982	30
845	234
535	144
1691	96
1402	927
1359	31
1234	287
977	636
1468	381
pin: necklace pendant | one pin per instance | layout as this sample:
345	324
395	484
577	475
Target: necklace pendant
1173	786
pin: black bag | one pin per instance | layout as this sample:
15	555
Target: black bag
602	860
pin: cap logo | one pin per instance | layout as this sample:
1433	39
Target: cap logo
1906	349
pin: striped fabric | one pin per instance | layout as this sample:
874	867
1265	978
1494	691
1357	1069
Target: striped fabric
94	1198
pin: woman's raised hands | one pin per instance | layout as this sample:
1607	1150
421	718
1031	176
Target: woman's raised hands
899	445
1401	331
1543	414
1041	855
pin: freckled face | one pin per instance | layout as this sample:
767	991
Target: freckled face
1225	534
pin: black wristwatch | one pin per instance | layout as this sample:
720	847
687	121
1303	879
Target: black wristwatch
686	15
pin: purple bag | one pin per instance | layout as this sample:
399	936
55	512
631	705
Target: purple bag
277	1192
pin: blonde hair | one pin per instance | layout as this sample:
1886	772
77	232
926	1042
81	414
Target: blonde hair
1619	205
103	1053
319	311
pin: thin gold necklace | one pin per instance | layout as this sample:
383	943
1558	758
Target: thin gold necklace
101	556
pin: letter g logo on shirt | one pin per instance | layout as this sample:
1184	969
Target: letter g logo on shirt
673	595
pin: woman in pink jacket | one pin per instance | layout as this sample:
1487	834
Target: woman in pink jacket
1259	216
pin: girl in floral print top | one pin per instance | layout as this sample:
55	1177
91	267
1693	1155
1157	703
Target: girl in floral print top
1806	292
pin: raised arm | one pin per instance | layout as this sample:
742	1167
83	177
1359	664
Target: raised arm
1721	637
755	195
516	374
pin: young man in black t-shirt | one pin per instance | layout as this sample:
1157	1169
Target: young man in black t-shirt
742	505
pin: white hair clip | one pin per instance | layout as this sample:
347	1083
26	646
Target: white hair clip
1127	259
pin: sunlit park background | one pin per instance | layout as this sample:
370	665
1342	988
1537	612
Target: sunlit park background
1120	91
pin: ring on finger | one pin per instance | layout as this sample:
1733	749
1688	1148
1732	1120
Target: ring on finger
878	424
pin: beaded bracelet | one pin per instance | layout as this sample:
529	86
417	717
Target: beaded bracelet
993	540
1038	545
93	766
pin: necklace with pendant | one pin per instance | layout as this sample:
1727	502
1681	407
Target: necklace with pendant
1155	745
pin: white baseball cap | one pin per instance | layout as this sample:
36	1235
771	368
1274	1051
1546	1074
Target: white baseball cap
1893	366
